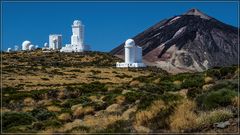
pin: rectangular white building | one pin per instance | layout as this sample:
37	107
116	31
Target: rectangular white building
55	42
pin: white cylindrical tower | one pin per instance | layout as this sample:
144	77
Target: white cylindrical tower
77	33
129	51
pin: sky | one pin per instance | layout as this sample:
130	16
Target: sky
107	24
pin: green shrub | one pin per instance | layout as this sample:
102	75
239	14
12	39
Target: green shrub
169	98
42	114
52	123
146	101
168	86
193	81
94	87
110	98
152	88
81	100
193	92
214	99
131	97
11	119
224	71
215	73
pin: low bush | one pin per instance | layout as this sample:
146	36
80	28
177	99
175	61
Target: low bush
193	92
42	114
131	97
11	119
193	81
214	99
153	88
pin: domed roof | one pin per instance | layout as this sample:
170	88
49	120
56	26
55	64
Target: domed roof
31	47
26	42
76	22
130	42
9	49
25	45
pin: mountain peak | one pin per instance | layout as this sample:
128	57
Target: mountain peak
197	12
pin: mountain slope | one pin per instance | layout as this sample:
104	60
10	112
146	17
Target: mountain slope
189	42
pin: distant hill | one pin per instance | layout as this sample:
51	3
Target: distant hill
192	41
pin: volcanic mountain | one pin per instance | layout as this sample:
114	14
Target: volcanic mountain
189	42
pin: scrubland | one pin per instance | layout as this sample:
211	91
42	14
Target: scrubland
85	93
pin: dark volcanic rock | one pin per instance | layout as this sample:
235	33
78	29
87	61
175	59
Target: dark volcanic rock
189	42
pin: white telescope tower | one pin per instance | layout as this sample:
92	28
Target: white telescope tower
77	34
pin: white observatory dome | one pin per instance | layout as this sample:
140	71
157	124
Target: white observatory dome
129	43
9	49
25	45
31	47
77	22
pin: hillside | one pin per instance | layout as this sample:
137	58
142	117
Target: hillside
189	42
85	93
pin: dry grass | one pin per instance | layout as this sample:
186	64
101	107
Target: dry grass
129	112
183	117
53	108
79	111
141	129
120	99
78	106
113	108
29	101
207	86
235	102
64	117
134	83
61	94
100	122
177	82
143	117
208	80
27	109
208	118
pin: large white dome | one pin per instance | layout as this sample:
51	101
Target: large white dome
129	43
25	45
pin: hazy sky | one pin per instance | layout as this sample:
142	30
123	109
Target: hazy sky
107	24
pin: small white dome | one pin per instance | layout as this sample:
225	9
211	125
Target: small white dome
9	49
77	22
130	42
25	45
16	48
31	47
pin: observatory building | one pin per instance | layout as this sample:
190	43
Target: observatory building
25	45
9	50
77	39
55	42
133	55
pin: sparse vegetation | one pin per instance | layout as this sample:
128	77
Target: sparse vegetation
85	93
